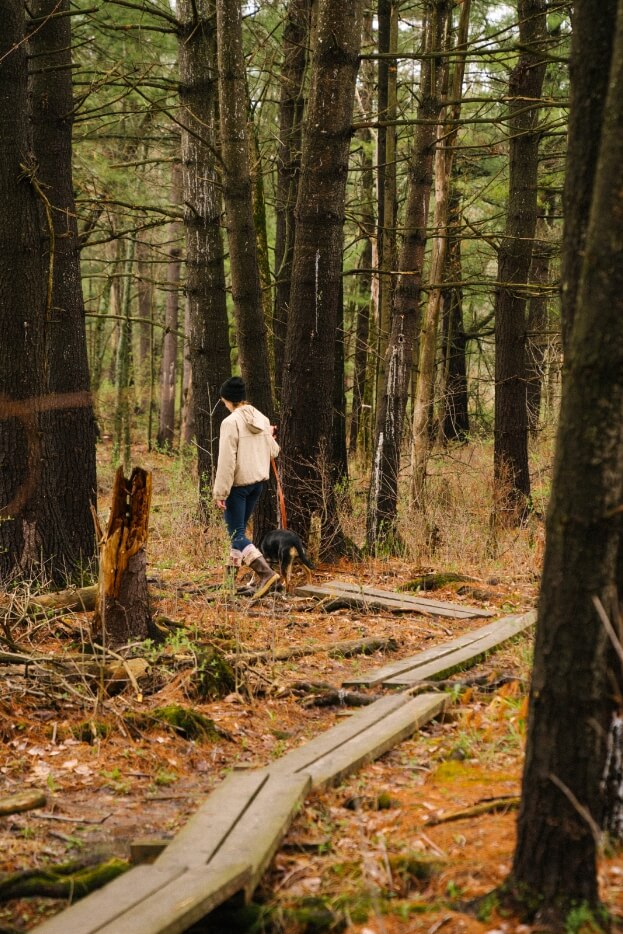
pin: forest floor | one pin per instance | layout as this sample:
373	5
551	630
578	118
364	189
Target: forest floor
385	852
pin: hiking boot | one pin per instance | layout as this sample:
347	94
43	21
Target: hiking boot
267	578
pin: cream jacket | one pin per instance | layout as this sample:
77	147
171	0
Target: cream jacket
245	448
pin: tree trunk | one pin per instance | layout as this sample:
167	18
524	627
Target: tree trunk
291	106
208	328
238	197
383	493
537	338
123	368
574	689
122	612
24	306
309	370
510	456
145	297
454	418
593	26
168	372
386	186
359	433
69	424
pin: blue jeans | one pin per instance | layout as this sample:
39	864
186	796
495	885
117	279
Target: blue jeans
239	507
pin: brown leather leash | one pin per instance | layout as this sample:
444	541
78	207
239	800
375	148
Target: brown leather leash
280	497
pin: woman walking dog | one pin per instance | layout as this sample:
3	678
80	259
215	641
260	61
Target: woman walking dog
246	445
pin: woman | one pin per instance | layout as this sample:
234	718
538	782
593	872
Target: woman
246	446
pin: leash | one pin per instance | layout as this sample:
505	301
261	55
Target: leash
283	524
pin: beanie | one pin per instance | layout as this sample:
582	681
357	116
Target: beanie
233	389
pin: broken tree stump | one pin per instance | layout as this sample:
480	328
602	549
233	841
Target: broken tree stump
122	611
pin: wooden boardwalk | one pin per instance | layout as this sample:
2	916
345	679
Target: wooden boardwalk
227	845
338	593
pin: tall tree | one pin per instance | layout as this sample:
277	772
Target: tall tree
238	198
309	368
291	107
444	157
69	424
168	377
391	408
511	470
38	404
573	693
207	335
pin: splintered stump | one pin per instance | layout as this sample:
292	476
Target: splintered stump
122	609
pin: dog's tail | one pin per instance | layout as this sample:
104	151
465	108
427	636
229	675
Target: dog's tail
303	557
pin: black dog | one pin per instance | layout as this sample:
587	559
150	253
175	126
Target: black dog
281	547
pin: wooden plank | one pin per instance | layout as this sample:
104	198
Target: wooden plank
259	835
198	841
468	656
106	905
369	745
394	602
386	672
179	904
303	757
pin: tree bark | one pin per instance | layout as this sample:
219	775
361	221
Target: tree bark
24	307
444	157
510	456
317	267
291	107
238	197
168	372
593	27
122	613
391	408
208	327
68	426
575	678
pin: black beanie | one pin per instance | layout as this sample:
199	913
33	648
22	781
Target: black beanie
233	389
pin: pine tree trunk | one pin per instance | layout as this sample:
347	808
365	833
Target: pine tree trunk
391	408
238	197
309	370
510	456
69	423
291	107
207	335
24	308
168	372
577	677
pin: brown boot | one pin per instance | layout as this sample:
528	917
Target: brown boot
267	578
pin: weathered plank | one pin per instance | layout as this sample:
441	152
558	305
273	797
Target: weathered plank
363	737
110	902
265	824
426	666
203	834
381	675
394	602
374	742
178	904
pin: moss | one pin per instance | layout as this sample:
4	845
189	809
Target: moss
215	677
187	722
434	581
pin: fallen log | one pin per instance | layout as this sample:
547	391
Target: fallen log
74	879
505	803
24	801
341	649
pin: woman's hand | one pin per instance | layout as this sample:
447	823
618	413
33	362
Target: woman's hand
219	503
